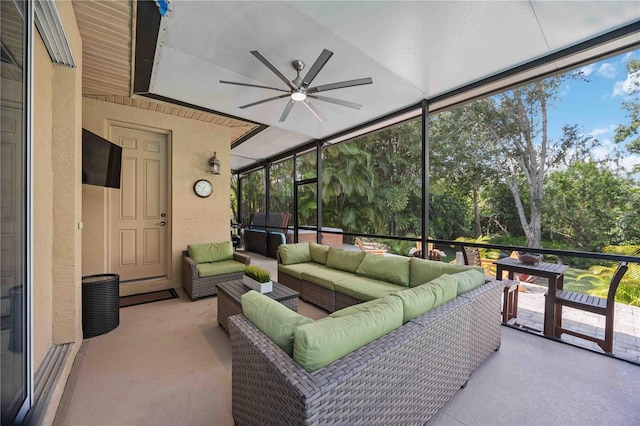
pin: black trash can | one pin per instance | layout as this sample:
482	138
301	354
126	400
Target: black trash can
100	305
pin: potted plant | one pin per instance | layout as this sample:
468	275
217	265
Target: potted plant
257	278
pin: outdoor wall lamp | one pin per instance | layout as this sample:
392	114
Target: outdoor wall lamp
214	165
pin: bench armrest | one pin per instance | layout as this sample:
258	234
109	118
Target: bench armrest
242	258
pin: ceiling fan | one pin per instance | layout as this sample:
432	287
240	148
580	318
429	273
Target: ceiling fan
298	90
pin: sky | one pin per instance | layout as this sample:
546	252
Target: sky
596	105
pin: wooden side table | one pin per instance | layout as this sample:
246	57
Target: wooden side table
510	301
552	271
229	294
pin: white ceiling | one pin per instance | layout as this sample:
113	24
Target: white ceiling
411	50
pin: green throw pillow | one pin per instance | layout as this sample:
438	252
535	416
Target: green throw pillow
392	269
423	298
322	342
344	260
274	319
319	253
468	280
291	254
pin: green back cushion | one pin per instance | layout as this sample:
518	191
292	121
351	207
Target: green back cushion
468	280
418	300
344	260
272	318
355	309
290	254
392	269
319	253
322	342
213	252
422	271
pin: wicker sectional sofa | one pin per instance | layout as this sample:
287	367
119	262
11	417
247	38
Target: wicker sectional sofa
206	265
401	377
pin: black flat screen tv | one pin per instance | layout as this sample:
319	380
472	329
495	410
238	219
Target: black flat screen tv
101	161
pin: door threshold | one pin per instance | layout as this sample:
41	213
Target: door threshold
145	280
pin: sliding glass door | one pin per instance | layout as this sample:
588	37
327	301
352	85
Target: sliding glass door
14	341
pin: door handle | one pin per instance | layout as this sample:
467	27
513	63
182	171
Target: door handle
162	223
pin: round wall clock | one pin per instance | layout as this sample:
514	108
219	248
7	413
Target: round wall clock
203	188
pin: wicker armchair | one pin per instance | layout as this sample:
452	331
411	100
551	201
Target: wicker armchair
196	286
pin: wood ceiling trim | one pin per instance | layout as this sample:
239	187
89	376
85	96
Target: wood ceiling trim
238	128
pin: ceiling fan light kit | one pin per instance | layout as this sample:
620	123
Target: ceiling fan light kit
298	88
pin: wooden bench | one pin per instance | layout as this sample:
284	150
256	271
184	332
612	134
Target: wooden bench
591	304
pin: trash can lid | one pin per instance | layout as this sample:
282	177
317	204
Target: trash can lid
99	278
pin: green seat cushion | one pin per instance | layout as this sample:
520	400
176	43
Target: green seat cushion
274	319
365	289
468	280
212	252
422	270
297	269
418	300
319	253
393	269
322	342
344	260
291	254
219	268
326	277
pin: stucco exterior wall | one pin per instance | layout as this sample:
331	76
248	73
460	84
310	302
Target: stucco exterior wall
42	202
56	250
67	194
192	219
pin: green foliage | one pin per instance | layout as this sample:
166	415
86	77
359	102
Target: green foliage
253	195
485	253
401	248
631	132
281	187
584	205
257	273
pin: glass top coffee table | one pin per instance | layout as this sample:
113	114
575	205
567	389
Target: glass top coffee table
229	294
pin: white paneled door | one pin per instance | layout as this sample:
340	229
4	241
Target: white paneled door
139	209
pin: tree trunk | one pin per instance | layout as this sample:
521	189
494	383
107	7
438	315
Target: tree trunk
476	212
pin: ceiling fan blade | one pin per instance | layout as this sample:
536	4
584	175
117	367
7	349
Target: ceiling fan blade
336	101
314	111
315	68
287	110
273	68
254	85
340	85
263	101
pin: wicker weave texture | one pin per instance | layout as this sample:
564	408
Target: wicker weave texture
100	304
485	320
197	287
227	307
344	301
403	377
291	282
319	296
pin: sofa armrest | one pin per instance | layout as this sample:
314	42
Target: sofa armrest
190	265
242	258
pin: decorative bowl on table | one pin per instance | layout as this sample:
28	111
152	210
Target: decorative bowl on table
529	258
